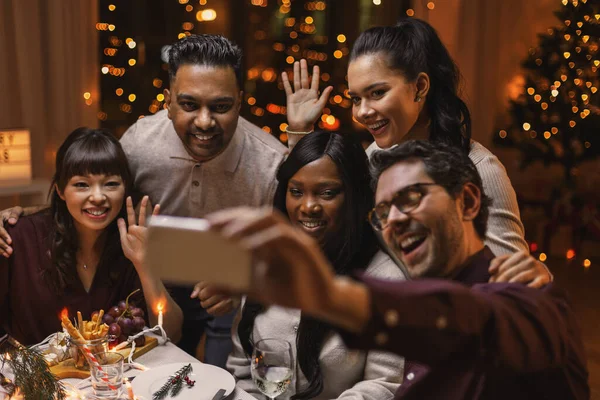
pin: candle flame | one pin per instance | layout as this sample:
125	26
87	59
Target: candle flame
160	307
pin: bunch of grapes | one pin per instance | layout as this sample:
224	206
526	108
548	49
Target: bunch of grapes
124	320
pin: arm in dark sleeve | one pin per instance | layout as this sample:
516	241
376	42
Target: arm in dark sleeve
4	290
515	327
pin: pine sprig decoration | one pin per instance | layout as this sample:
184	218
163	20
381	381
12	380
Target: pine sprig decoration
174	384
32	374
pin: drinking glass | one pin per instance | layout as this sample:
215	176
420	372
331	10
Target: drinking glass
272	366
77	349
107	374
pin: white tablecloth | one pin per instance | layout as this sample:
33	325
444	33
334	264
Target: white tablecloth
168	353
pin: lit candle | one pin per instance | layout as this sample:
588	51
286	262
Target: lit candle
160	313
130	395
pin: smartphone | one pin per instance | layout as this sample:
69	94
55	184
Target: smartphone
183	251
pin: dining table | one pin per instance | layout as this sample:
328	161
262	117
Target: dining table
160	355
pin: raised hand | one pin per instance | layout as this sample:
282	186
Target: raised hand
304	105
133	236
291	270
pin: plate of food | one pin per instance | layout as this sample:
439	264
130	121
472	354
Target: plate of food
183	381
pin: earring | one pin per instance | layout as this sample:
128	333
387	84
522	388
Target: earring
418	99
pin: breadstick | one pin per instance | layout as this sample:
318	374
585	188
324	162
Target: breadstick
103	330
68	325
99	319
80	322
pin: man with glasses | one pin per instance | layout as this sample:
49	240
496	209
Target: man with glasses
462	337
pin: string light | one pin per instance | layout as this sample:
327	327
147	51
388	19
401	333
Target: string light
206	15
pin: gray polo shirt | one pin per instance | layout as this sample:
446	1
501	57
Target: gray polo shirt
243	175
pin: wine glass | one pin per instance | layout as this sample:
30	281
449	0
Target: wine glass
272	366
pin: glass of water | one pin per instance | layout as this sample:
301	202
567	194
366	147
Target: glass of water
272	366
107	375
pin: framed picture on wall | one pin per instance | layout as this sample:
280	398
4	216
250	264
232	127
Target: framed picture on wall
15	156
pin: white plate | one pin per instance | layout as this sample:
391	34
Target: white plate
209	379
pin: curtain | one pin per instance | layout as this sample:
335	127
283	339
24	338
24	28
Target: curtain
48	60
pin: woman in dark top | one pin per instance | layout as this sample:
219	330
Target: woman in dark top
79	254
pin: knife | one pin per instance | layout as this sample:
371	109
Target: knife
219	395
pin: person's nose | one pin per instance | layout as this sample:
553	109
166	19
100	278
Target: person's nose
310	205
97	195
397	220
204	120
364	112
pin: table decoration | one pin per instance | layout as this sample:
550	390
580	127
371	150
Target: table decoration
204	381
175	383
32	376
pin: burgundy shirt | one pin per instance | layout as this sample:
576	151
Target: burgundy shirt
29	308
469	339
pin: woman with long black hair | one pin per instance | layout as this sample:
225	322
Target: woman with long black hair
324	189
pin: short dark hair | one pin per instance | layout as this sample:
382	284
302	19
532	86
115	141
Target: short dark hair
413	46
206	50
447	165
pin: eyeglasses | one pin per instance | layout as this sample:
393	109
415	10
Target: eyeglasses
405	200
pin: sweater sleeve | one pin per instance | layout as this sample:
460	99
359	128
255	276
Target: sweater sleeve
383	371
505	231
238	363
382	377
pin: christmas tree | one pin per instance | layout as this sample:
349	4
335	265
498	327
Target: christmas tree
556	119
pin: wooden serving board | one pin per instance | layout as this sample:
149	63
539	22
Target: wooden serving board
66	369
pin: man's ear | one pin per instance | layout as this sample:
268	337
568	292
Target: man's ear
471	201
241	98
61	195
167	95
